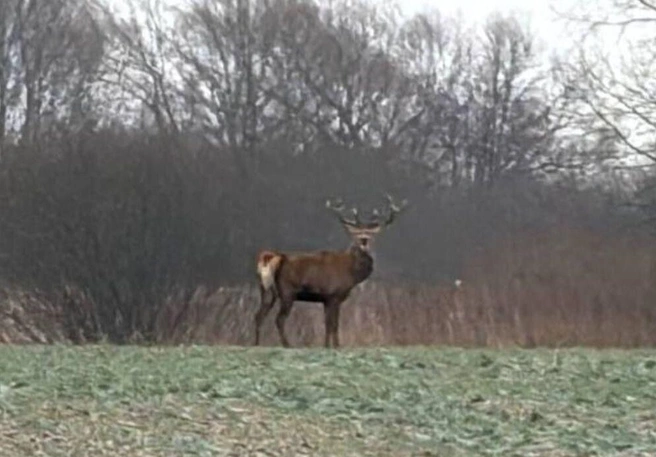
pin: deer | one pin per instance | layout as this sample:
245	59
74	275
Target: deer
321	276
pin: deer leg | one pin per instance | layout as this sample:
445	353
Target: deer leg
331	318
327	318
335	331
265	306
285	308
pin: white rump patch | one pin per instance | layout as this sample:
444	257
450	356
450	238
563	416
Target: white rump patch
266	273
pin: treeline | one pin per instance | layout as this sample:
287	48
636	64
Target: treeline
143	154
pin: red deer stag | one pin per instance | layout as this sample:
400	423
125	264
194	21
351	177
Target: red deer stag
322	276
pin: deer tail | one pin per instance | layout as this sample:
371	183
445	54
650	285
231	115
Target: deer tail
268	263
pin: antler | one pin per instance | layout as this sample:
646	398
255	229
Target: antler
394	209
375	222
338	208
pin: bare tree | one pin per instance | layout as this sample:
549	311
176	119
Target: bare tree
140	69
610	76
335	71
50	51
8	83
485	105
223	62
439	54
609	79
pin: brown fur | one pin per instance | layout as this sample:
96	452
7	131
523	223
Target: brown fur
321	276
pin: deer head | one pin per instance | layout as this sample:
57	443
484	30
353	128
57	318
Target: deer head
363	233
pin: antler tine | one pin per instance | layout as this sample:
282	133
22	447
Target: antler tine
394	209
339	211
356	216
393	205
375	216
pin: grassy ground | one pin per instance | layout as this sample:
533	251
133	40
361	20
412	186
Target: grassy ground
206	401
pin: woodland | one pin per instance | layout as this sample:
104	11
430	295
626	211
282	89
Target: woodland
148	153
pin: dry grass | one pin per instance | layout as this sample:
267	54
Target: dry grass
560	289
563	289
30	317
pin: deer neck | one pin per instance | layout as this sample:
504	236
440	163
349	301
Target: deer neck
362	265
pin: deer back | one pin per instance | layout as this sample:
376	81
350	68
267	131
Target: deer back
323	272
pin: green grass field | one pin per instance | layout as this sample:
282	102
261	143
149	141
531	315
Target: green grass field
207	401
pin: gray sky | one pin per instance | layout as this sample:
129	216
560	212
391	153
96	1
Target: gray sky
542	20
538	14
478	9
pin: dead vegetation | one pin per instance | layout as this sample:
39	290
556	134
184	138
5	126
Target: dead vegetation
139	177
561	289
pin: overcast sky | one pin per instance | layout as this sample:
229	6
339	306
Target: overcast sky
543	21
480	8
539	14
551	33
